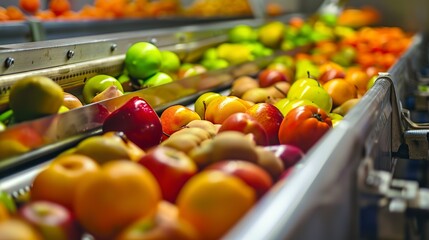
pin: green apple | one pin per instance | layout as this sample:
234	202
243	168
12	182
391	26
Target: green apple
8	202
97	84
158	79
242	33
285	109
213	64
210	54
203	101
335	118
170	61
142	60
280	104
2	126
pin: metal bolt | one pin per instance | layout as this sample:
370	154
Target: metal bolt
9	62
113	47
70	54
153	41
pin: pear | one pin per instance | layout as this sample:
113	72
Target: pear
242	84
344	108
103	149
256	95
270	162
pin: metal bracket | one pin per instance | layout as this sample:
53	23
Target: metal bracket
394	199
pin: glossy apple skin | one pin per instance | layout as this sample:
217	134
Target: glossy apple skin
290	155
52	220
253	175
270	117
268	77
137	119
171	168
243	122
159	78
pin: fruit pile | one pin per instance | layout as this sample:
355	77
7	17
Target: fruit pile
174	176
101	9
193	173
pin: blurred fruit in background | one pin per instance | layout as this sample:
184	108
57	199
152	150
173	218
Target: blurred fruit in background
100	9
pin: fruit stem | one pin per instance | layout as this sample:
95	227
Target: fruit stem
281	91
318	116
166	134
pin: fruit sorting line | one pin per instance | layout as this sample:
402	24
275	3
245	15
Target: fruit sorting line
331	187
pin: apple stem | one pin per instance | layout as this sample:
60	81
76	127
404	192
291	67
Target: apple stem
166	134
309	76
318	116
281	91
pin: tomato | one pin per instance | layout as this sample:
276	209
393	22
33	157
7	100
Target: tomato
304	126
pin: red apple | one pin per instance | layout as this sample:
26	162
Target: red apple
52	220
171	168
243	122
270	117
331	74
283	68
137	119
268	77
289	154
253	175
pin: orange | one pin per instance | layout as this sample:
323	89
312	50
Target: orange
121	192
59	6
58	182
14	13
45	15
214	202
3	14
340	90
358	78
116	7
30	5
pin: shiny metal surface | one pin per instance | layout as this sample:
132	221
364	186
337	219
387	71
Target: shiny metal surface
319	200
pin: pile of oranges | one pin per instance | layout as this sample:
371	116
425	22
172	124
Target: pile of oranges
101	9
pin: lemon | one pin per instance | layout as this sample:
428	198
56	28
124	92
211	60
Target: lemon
35	96
142	60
